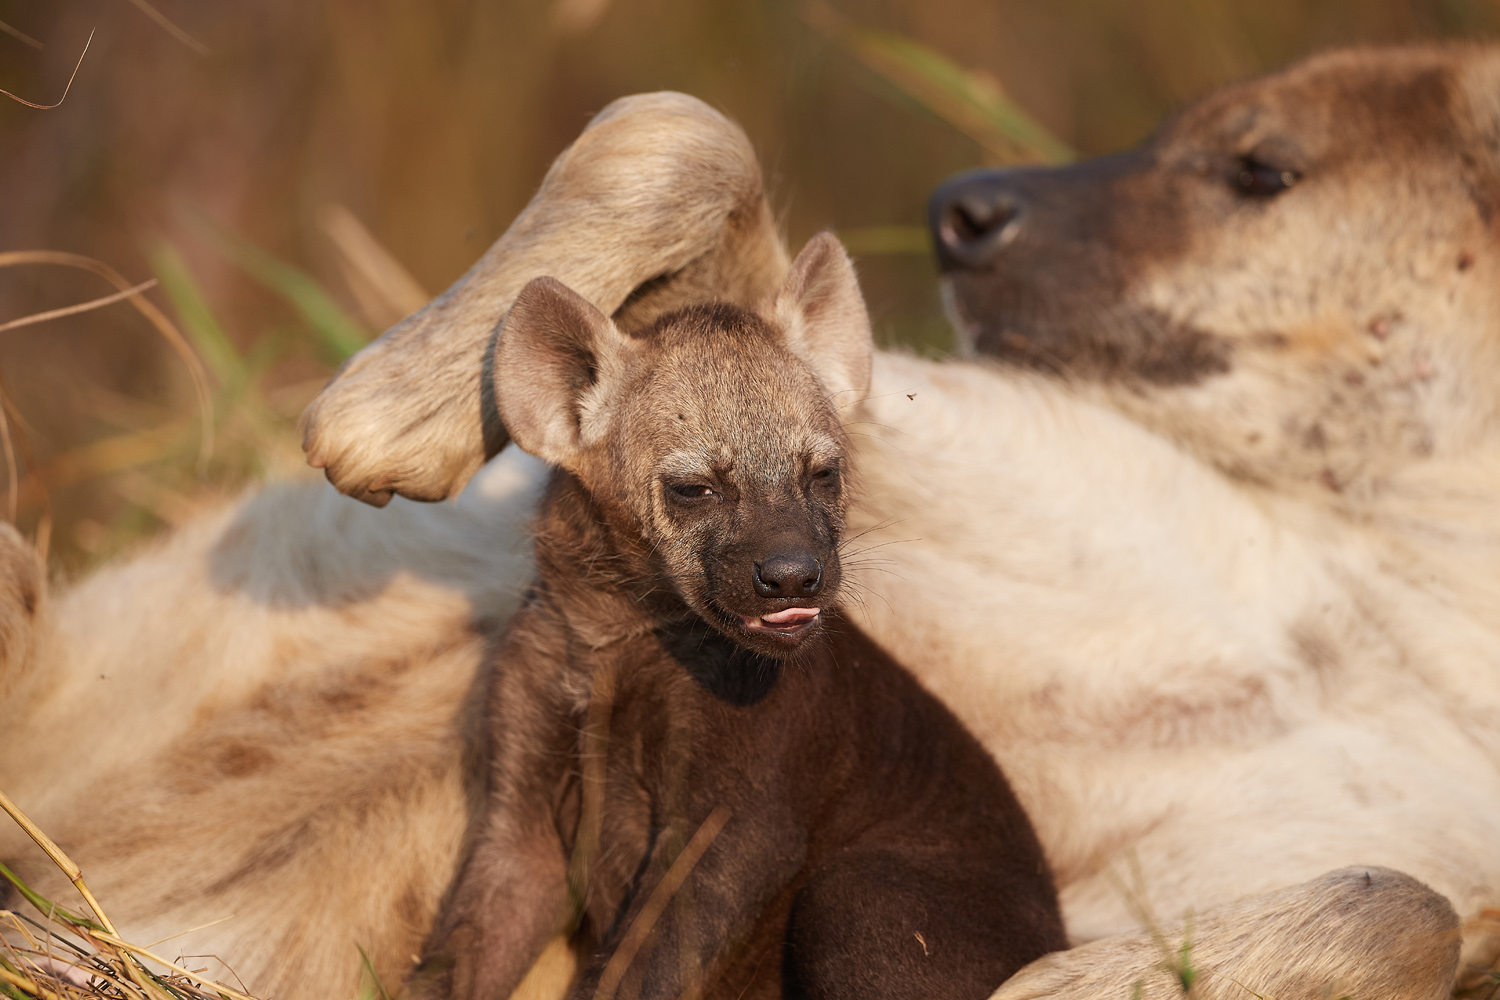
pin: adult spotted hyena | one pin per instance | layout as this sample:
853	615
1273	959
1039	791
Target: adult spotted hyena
1208	644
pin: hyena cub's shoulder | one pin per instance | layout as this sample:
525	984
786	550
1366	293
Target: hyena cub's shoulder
821	821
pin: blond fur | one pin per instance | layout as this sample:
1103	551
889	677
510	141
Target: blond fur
1230	684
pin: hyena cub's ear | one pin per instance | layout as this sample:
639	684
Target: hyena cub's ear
823	316
556	362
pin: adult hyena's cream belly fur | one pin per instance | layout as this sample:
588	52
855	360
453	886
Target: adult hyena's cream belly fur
1177	678
262	718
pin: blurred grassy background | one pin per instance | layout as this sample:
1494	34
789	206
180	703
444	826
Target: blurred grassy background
229	151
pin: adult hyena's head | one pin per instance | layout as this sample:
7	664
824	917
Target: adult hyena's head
1296	277
710	440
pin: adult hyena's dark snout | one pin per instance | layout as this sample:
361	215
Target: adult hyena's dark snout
984	219
973	216
1041	265
789	573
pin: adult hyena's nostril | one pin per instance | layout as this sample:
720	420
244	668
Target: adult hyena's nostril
795	574
972	217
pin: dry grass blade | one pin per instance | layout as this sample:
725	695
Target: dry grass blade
969	100
81	307
20	36
386	291
99	458
64	97
645	921
170	28
114	939
12	470
51	958
158	319
74	873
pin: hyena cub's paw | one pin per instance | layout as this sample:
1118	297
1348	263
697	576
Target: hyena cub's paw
23	584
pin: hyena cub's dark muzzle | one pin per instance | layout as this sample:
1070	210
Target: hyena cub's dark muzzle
776	585
788	573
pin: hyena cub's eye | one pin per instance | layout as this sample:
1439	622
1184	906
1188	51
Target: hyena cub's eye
824	475
1257	179
691	491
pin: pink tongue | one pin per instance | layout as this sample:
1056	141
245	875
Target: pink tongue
790	616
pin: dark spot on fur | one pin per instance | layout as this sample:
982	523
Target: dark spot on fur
1465	260
1270	339
411	911
237	760
276	852
343	700
729	672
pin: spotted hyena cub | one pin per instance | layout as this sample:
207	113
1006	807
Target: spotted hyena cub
695	761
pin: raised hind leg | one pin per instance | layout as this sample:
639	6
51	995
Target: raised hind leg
656	205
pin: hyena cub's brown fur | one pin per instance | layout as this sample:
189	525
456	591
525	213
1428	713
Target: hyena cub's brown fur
693	756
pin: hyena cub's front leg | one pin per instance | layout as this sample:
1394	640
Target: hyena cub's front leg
23	585
511	895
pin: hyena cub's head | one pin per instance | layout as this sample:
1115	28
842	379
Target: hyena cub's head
711	437
1297	277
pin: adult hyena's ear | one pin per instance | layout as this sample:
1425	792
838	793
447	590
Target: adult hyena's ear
823	316
23	584
558	360
657	204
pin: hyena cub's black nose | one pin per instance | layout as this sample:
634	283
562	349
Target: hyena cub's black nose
794	574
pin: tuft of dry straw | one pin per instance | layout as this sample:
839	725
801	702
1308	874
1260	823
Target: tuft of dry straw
62	955
134	294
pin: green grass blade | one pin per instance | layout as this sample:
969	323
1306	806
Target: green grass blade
971	102
196	315
374	988
866	241
337	334
48	908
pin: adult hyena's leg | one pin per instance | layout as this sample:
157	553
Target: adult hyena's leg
1370	933
658	203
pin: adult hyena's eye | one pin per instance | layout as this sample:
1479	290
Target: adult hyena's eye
1257	179
691	491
